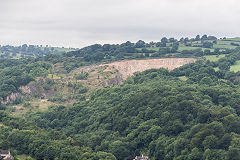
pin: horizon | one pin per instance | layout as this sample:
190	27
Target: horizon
49	45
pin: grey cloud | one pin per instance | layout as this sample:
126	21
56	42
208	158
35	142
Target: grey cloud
78	23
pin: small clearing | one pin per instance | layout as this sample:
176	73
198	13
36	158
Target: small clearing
214	58
235	67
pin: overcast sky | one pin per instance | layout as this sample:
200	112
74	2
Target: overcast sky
77	23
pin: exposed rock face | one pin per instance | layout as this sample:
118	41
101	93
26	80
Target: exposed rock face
26	91
12	97
29	90
128	67
117	80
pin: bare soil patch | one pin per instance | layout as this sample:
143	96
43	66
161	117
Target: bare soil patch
128	67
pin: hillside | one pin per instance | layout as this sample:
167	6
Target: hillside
173	99
153	113
67	88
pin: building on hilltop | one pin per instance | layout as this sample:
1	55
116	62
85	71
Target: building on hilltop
5	155
141	158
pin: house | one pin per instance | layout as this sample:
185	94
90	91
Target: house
141	158
5	155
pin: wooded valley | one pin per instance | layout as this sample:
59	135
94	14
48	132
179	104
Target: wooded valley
188	113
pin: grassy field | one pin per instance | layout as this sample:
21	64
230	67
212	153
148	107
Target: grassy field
53	76
154	48
227	43
224	46
234	39
2	125
182	47
150	48
24	157
214	58
32	105
221	42
235	67
216	69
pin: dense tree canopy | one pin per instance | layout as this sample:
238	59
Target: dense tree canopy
16	73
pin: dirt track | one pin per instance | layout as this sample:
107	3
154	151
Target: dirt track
128	67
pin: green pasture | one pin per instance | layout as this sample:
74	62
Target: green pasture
214	58
234	39
235	67
181	48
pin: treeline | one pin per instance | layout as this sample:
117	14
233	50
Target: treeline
166	47
26	51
